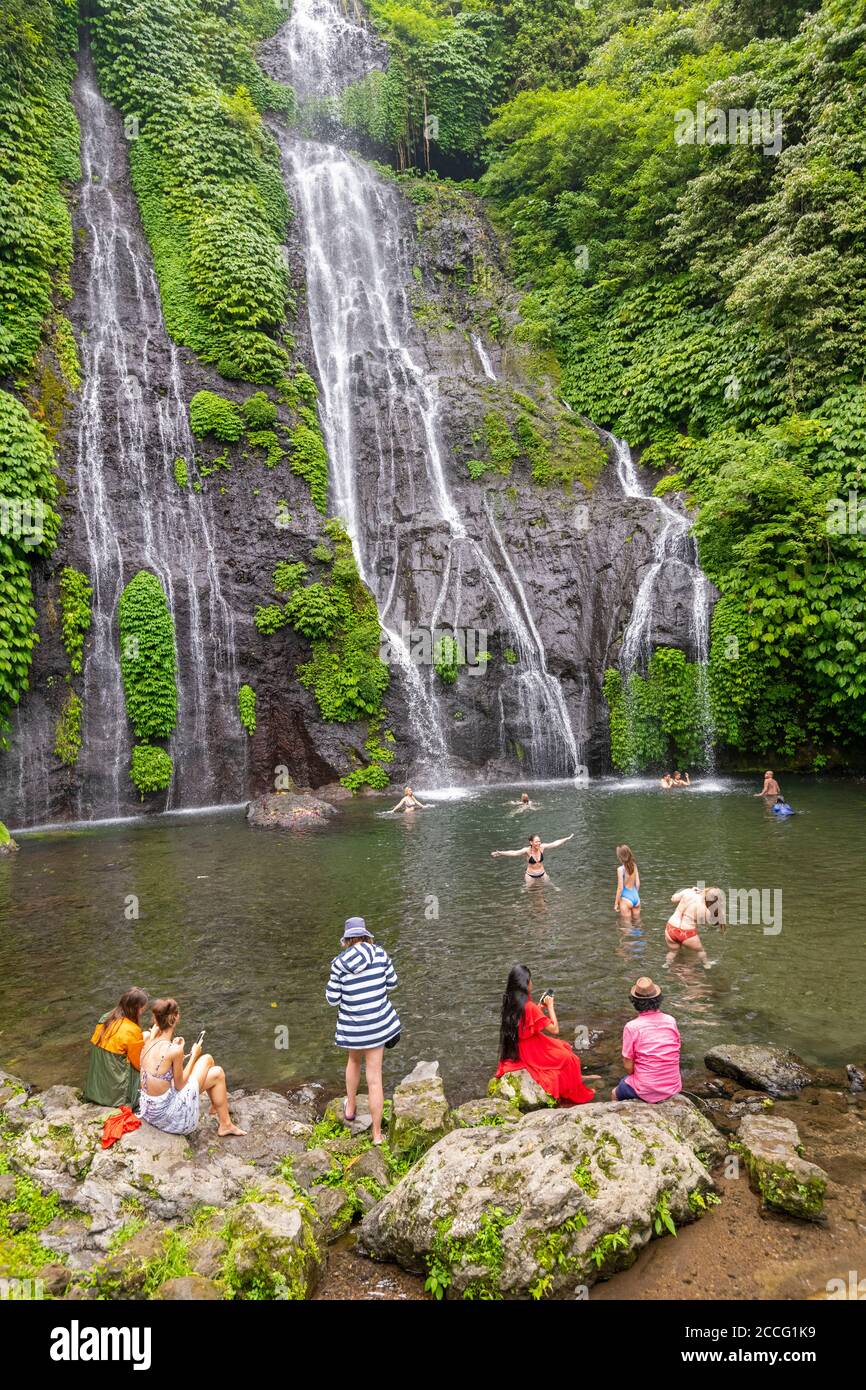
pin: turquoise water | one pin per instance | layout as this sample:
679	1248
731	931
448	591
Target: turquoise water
240	925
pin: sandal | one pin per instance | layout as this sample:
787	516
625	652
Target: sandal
347	1118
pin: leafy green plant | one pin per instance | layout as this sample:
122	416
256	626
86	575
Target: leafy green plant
151	769
67	735
148	660
181	472
247	708
76	593
210	413
446	660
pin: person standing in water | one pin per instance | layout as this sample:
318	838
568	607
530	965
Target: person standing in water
667	781
771	786
409	802
627	900
695	907
680	780
533	853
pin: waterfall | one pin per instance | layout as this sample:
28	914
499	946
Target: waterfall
131	426
379	403
674	545
483	358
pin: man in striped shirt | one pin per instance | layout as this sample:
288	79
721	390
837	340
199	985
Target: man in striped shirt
361	977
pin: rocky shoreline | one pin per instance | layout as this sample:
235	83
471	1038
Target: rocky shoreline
500	1197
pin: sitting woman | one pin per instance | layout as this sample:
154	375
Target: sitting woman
170	1091
115	1053
526	1044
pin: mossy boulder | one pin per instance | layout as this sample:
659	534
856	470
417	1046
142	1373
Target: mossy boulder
494	1110
362	1121
420	1113
518	1088
7	844
541	1207
785	1181
124	1272
189	1288
275	1244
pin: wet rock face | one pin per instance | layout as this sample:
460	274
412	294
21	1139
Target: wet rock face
772	1069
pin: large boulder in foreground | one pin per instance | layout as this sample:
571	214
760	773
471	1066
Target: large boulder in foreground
420	1113
541	1207
764	1068
289	811
785	1181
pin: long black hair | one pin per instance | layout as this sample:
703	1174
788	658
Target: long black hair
513	1004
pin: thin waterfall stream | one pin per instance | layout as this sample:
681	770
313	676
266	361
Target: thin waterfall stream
674	545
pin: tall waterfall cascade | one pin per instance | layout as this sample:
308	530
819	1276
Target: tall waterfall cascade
130	425
379	400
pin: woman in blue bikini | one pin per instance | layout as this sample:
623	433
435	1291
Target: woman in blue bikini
533	853
627	900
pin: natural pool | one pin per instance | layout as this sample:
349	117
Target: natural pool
240	925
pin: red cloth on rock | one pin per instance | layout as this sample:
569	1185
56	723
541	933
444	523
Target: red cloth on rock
549	1061
116	1125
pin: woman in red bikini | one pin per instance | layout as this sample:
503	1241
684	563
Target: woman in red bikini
695	906
526	1044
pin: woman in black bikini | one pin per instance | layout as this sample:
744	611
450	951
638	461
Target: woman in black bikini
534	855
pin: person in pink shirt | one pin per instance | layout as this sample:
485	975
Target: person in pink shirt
650	1049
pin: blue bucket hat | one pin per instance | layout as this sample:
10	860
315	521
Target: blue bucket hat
355	926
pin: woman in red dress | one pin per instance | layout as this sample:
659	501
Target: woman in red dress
528	1042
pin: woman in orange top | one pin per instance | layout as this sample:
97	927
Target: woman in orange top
115	1053
528	1042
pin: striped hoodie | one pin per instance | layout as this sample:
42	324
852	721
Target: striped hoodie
360	979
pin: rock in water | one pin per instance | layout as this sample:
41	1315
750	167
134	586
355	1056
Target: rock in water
856	1078
541	1207
784	1179
772	1069
521	1090
420	1114
289	810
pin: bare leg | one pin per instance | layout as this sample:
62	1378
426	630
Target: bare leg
353	1076
673	951
212	1079
375	1091
694	944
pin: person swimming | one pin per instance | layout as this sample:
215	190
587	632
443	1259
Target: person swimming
524	804
627	900
781	808
534	855
409	802
771	786
695	906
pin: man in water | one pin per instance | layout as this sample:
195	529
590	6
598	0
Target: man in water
667	781
524	804
771	786
681	781
782	808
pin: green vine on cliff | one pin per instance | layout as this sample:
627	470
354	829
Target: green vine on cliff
247	708
76	593
67	735
148	660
